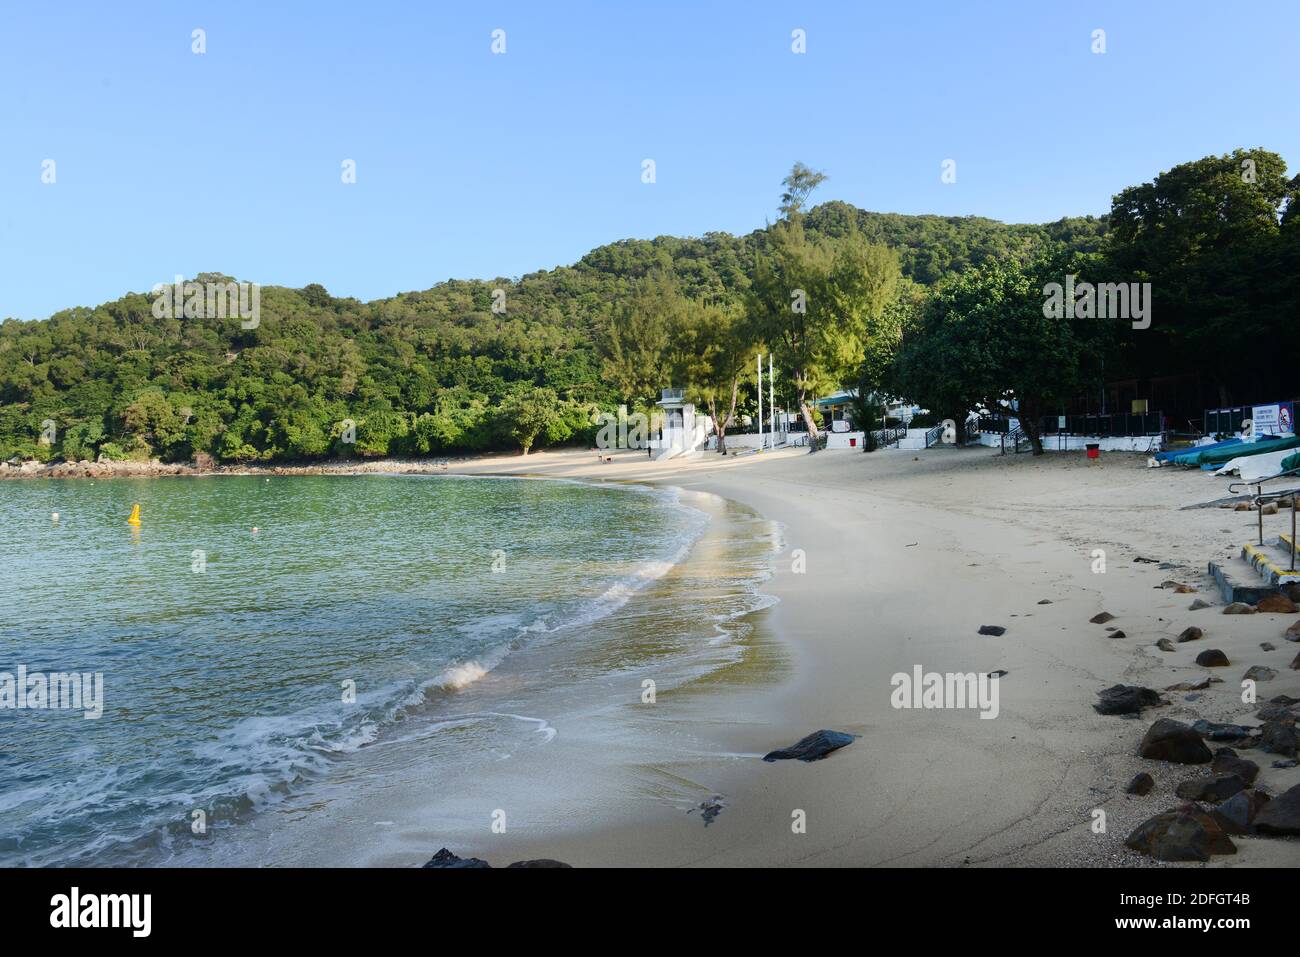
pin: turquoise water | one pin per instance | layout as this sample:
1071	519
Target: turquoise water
232	625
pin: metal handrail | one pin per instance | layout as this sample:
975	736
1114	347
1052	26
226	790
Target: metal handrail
1260	499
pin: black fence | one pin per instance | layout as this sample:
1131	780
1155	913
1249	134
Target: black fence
1226	420
1105	426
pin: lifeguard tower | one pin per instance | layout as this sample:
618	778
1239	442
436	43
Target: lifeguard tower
681	433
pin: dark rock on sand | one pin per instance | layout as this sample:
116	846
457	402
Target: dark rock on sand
1295	663
1170	740
1239	608
1215	731
1141	784
994	630
1278	737
1164	644
1184	834
1101	618
1292	633
1192	685
1190	634
1276	605
1126	699
1238	813
539	862
1288	763
1267	646
1212	790
1044	601
1226	761
1117	633
446	859
1280	815
812	748
1259	673
711	809
1212	658
1198	604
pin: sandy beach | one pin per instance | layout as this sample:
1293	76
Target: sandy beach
906	555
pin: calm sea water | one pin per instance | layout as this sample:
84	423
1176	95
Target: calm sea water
232	626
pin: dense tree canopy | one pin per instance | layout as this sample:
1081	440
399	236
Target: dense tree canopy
471	365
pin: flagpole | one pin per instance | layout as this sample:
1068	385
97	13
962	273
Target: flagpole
759	357
771	398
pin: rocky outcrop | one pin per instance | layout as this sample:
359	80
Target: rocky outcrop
1212	658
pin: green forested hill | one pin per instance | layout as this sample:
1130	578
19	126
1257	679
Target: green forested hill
419	373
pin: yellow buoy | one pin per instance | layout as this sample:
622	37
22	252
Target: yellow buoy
135	516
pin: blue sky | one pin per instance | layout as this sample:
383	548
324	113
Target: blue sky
474	165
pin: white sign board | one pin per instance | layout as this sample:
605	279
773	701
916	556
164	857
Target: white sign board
1267	419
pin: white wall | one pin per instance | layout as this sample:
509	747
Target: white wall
1077	443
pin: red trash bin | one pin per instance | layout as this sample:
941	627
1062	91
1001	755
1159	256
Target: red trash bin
853	442
1094	449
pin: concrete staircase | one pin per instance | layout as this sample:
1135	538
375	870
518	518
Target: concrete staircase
1260	571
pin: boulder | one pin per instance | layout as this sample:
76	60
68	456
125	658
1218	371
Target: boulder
1141	784
1280	816
1239	608
1212	658
1197	605
814	747
1276	605
1184	834
539	862
1164	644
1259	673
1238	813
1295	663
1190	634
1213	790
1267	646
1226	761
1220	732
1117	633
994	630
446	859
1292	633
1278	737
1101	618
1170	740
1126	699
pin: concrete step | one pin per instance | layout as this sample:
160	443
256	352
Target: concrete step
1239	580
1269	563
